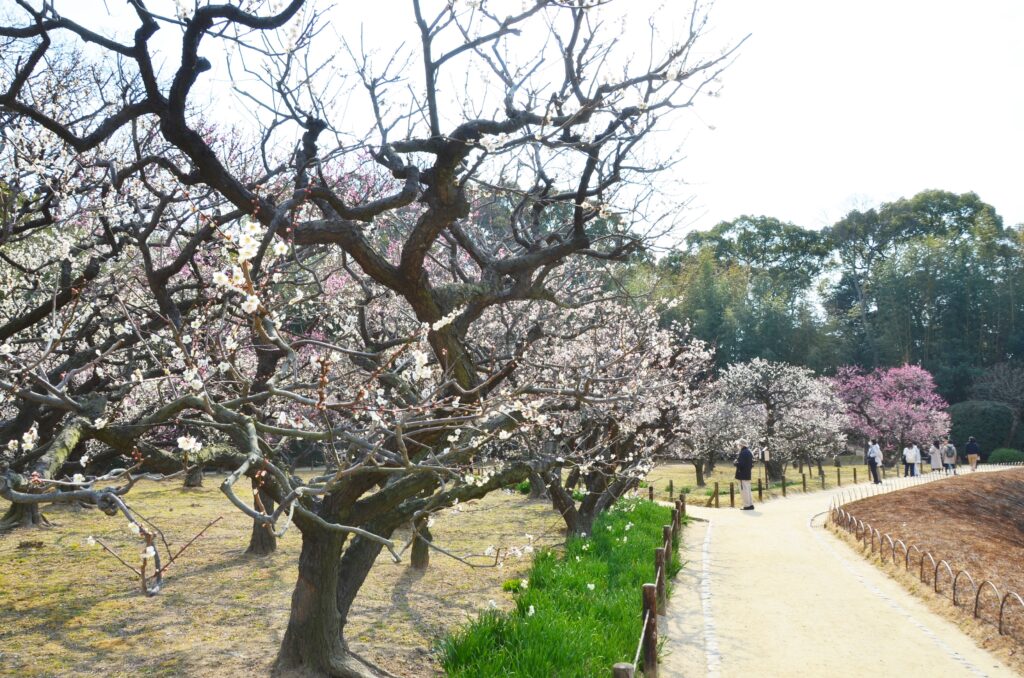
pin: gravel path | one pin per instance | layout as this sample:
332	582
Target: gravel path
770	593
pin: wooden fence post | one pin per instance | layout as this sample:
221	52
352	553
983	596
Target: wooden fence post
854	475
783	484
675	524
822	478
732	495
803	477
681	504
671	489
716	494
623	670
760	497
650	492
650	650
839	479
659	578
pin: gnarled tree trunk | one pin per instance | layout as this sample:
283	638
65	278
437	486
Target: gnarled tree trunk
420	558
194	476
262	541
22	515
313	644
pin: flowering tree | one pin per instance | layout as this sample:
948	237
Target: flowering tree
895	405
794	414
180	285
709	429
615	387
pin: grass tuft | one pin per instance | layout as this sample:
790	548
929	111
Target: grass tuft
573	630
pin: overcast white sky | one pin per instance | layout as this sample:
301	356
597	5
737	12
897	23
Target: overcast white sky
832	104
840	104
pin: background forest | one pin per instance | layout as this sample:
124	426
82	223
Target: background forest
935	280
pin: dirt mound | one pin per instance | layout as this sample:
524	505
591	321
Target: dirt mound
975	522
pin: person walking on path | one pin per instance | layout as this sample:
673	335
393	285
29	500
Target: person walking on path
744	465
949	456
973	451
935	456
910	458
874	461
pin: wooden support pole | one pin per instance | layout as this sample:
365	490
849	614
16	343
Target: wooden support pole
822	478
650	492
623	670
783	484
659	578
676	524
854	475
671	489
681	504
650	649
732	495
760	496
666	537
716	494
803	478
839	478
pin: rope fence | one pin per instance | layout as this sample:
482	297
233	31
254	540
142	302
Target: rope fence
939	574
655	601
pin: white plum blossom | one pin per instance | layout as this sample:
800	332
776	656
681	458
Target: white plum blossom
251	303
189	444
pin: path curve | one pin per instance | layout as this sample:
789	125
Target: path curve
767	592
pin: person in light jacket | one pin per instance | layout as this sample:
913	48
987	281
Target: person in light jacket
949	456
909	461
935	456
744	465
874	461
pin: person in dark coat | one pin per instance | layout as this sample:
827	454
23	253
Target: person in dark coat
973	451
744	465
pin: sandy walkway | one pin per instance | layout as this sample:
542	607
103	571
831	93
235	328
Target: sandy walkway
766	594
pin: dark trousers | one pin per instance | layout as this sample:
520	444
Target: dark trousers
909	469
873	468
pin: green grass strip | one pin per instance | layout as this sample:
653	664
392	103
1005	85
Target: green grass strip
573	630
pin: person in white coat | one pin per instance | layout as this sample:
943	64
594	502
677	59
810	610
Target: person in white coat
935	456
910	458
874	461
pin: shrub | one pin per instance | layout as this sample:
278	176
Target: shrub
524	487
573	630
1005	455
989	422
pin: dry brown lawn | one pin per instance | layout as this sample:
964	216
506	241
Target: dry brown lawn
67	609
975	522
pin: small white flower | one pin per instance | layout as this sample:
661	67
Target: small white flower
224	367
89	541
491	604
6	349
133	528
150	552
12	445
524	583
99	424
186	339
189	444
280	248
590	587
220	279
251	303
84	461
78	478
531	611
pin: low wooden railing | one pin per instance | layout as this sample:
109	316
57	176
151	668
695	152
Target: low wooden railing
655	600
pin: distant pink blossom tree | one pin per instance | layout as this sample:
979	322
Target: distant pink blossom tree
895	405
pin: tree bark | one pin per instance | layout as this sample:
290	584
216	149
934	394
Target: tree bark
313	644
420	558
698	467
194	477
773	469
21	516
538	489
262	541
